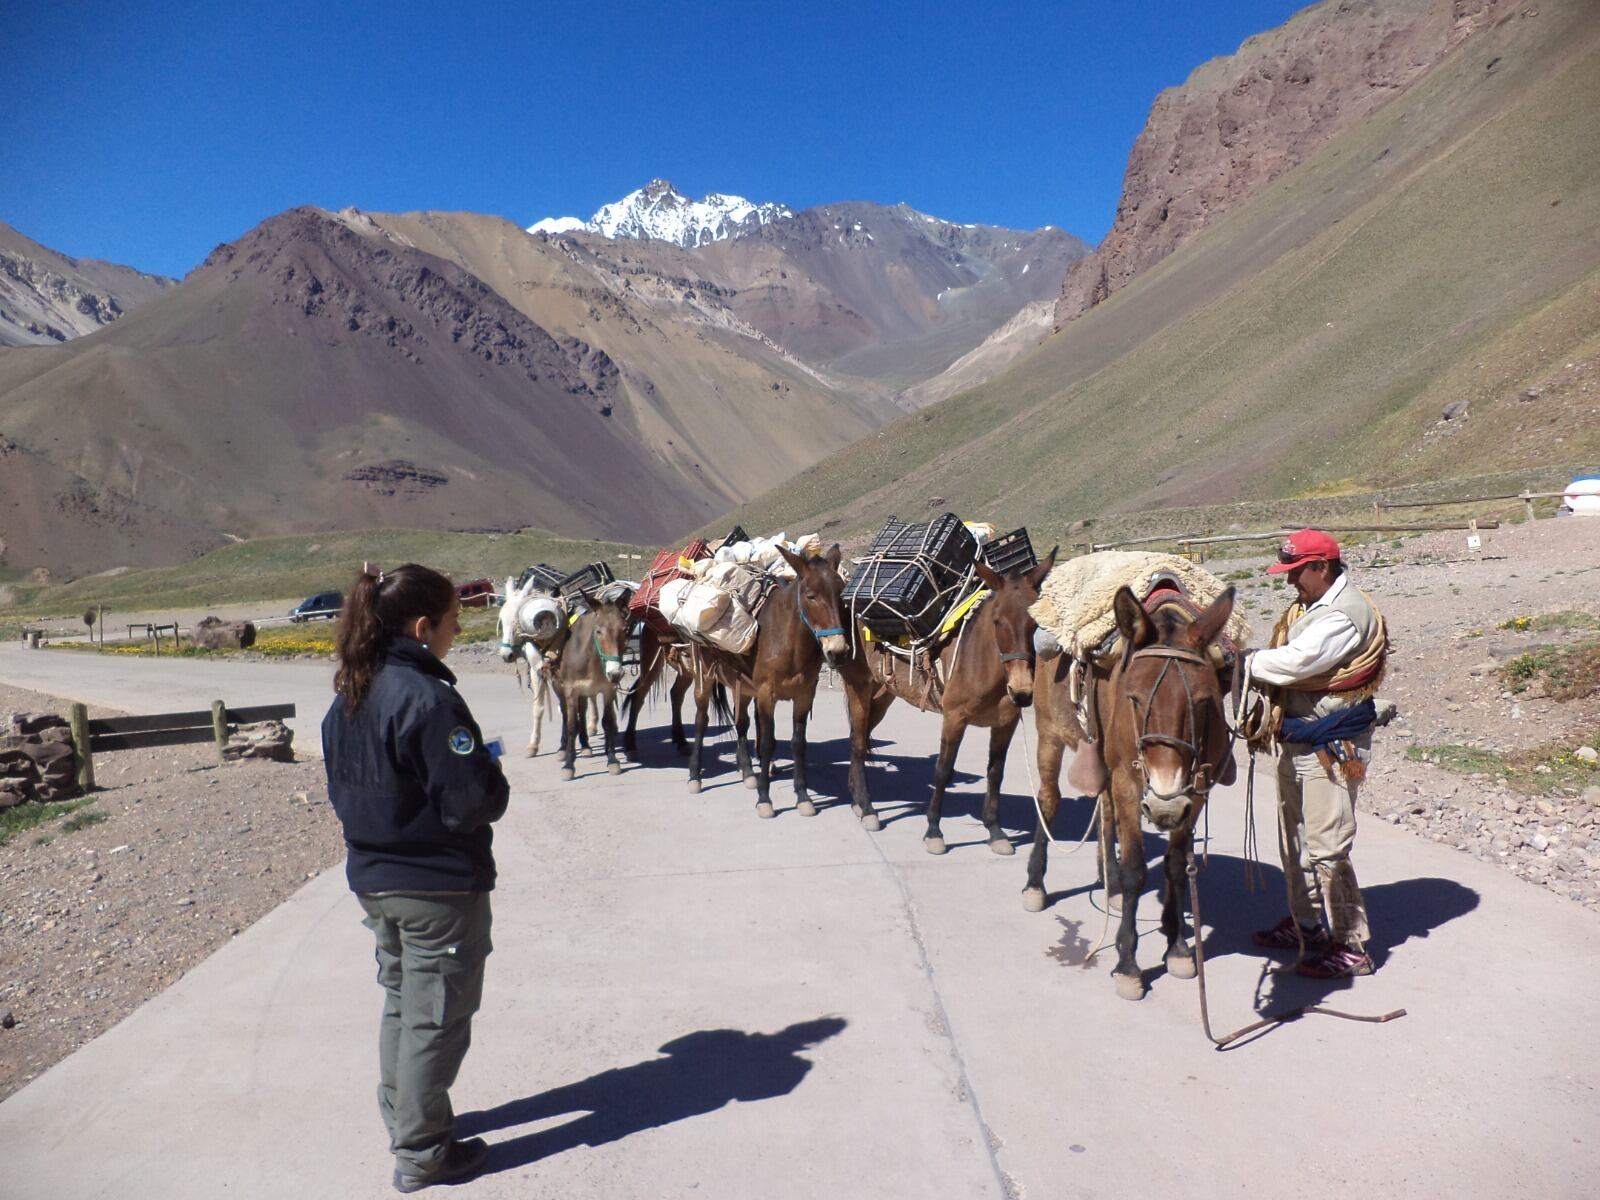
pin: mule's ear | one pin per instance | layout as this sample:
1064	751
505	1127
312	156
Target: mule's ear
1209	624
588	597
793	559
623	599
990	578
511	588
834	556
1037	575
1132	621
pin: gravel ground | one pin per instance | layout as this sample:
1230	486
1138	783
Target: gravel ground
1443	604
97	920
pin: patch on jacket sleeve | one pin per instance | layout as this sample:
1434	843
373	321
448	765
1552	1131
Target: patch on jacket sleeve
461	740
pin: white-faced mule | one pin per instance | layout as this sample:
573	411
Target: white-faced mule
1164	743
590	668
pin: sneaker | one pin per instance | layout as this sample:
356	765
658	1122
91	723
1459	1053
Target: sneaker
460	1160
1282	936
1336	962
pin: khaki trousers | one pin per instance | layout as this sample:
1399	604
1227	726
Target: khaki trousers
1317	827
430	951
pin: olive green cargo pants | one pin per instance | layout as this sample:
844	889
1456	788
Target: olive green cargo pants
431	951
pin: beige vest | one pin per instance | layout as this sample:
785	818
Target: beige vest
1311	703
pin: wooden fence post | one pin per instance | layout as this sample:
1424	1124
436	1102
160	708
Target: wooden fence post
80	743
219	726
1527	506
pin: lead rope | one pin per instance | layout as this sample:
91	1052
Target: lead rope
1294	1014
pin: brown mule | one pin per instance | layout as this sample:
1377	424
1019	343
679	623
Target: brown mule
988	680
590	667
801	626
1163	742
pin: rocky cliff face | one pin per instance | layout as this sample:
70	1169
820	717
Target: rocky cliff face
1239	122
49	297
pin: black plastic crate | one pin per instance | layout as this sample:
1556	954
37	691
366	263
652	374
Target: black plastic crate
585	579
914	573
547	578
1010	552
736	535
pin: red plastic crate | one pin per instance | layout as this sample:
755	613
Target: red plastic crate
644	606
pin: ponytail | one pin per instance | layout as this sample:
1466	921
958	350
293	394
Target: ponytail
378	605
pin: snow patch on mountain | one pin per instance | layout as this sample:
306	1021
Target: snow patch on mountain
659	212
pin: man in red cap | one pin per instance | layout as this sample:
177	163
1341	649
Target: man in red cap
1323	667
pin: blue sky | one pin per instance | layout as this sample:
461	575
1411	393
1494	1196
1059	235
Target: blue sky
146	133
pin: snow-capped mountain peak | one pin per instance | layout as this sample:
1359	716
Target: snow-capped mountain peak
659	212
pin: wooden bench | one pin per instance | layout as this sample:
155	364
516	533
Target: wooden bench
162	729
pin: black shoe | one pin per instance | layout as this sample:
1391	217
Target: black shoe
460	1161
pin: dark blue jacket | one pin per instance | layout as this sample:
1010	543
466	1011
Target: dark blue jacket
413	785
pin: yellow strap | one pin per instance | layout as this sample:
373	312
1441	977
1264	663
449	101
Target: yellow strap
573	620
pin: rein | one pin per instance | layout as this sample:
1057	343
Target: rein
1294	1014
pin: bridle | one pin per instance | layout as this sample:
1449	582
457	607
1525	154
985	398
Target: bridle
800	608
1202	775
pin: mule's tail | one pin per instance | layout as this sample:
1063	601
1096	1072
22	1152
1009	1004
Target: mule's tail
720	705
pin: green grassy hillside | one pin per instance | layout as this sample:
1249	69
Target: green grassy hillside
294	566
1307	342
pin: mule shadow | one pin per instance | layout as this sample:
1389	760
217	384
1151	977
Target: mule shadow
701	1073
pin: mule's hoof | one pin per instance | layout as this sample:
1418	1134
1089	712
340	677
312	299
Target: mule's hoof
805	808
1002	846
933	845
614	768
1180	966
694	787
568	773
1129	987
1033	900
871	823
750	782
764	810
533	752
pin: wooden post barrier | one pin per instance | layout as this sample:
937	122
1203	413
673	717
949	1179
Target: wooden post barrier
162	729
79	720
219	728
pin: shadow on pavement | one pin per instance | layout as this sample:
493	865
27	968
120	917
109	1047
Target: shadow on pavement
702	1072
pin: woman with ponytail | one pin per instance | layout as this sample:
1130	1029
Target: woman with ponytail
416	790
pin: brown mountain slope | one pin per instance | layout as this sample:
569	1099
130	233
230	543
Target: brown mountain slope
316	374
1242	120
49	297
706	392
1441	250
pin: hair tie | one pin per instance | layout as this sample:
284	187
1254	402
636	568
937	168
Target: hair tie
372	572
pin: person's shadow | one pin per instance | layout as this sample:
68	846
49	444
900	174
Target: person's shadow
701	1073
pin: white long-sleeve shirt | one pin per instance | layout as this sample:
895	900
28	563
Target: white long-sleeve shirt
1324	638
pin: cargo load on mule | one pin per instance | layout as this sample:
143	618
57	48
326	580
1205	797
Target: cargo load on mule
911	576
668	565
543	577
590	578
916	588
718	601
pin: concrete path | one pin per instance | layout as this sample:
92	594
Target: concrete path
687	1001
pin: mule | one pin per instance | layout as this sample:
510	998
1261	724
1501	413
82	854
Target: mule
987	669
1160	744
590	668
536	633
800	627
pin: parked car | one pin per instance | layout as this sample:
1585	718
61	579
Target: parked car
476	593
325	605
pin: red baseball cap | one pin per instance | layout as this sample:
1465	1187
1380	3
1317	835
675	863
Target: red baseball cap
1307	546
